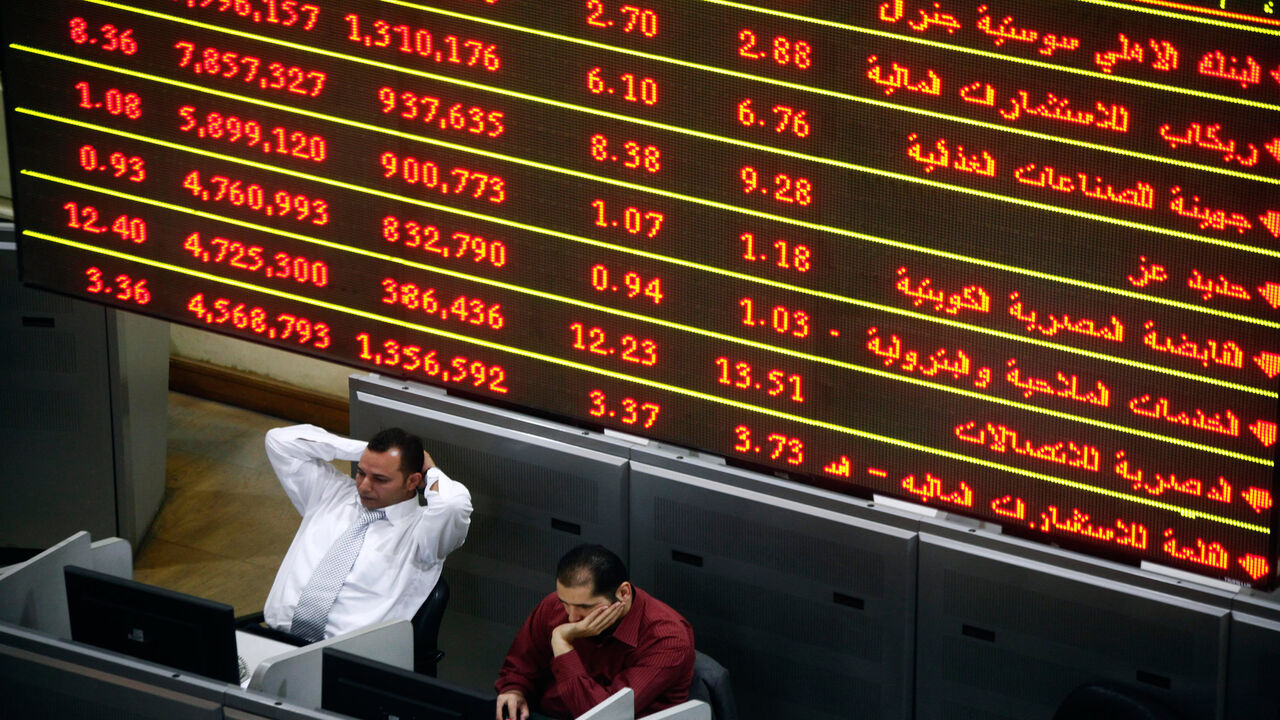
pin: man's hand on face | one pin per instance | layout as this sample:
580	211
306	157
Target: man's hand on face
597	621
511	704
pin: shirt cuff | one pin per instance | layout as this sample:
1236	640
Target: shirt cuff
433	476
568	666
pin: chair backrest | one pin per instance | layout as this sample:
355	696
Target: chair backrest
426	629
1112	702
711	685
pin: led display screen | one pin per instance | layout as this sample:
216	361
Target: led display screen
1015	260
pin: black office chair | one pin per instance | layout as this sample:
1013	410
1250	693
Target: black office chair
711	686
1112	702
426	629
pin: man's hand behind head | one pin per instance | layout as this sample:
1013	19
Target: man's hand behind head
427	464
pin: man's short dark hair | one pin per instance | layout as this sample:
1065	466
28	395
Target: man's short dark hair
595	565
410	448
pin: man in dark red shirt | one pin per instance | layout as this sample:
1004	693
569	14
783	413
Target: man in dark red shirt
596	634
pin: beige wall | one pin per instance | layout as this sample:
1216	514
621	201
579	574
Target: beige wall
298	370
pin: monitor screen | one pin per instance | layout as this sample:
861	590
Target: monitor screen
1017	260
152	623
372	690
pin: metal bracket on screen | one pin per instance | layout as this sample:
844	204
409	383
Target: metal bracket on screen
405	385
681	452
626	437
1186	577
937	513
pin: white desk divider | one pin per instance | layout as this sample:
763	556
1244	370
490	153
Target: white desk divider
113	556
295	675
689	710
33	593
618	706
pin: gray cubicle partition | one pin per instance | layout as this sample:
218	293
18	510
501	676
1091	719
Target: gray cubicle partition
42	677
1253	665
1007	628
37	686
538	488
59	660
811	608
87	385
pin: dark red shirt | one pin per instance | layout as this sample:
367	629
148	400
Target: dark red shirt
650	651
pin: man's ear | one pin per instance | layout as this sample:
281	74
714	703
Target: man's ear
416	481
625	591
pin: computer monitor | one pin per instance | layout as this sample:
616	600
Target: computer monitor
151	623
371	690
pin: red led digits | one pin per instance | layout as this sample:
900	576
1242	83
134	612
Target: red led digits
86	218
252	196
630	348
125	288
221	311
775	445
107	37
461	245
626	86
1025	360
448	116
447	49
783	320
285	13
627	18
634	155
633	284
220	250
783	119
130	167
459	181
778	383
632	219
783	51
251	133
228	64
627	411
786	255
784	188
113	100
462	308
413	358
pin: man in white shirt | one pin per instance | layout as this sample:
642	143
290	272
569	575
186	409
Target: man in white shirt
401	548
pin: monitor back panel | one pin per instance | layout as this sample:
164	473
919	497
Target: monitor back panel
1253	667
151	623
1005	636
812	611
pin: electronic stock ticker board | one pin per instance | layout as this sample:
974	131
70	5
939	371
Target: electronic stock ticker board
1016	260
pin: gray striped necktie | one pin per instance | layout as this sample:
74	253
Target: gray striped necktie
321	592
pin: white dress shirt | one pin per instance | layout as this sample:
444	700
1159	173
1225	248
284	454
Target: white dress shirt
402	556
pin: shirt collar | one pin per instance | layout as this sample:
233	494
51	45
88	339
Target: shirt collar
628	630
397	513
